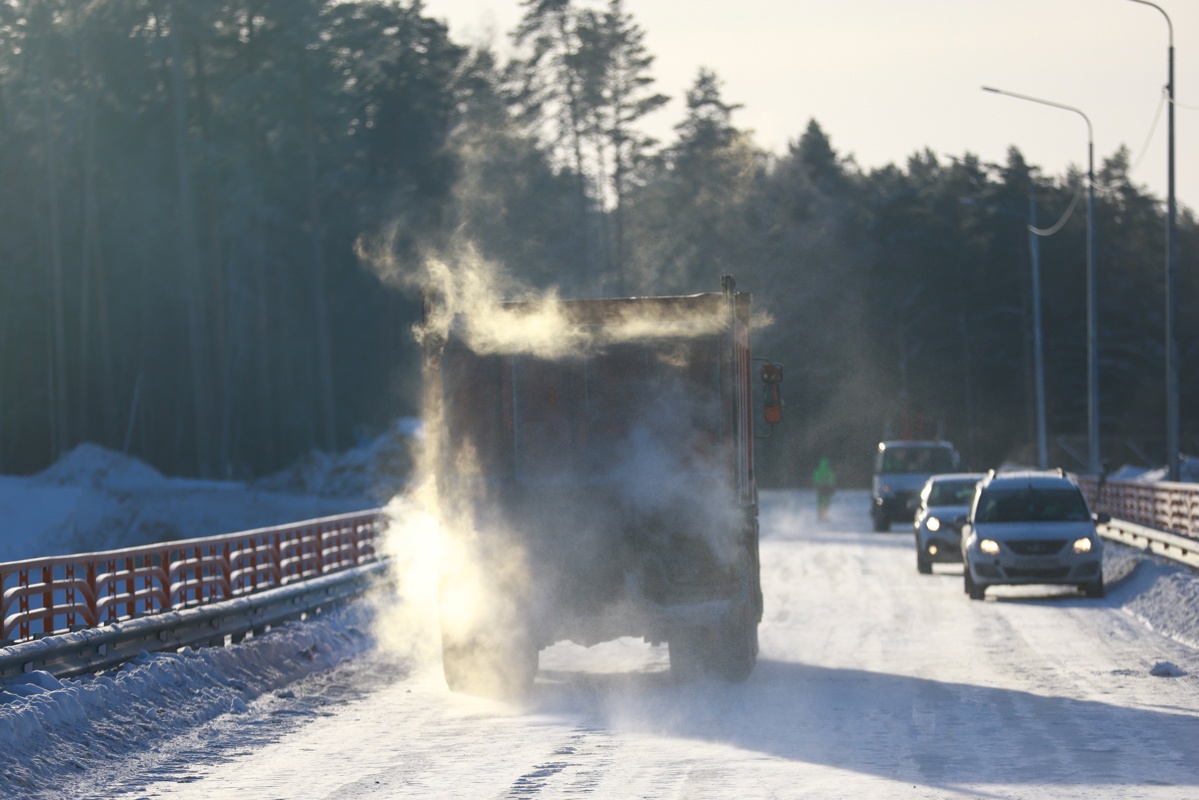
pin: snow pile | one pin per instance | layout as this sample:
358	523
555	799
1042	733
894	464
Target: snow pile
1188	472
95	499
90	465
1165	669
378	469
1162	595
53	730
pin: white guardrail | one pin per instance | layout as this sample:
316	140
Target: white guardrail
1171	545
1160	517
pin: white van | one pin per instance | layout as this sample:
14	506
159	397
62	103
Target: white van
900	471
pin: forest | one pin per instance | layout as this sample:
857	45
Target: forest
216	218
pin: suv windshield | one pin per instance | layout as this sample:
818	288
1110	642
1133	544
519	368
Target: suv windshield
1031	505
952	493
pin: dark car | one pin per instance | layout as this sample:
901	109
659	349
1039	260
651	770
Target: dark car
944	501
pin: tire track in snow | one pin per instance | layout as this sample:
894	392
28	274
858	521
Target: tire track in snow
574	768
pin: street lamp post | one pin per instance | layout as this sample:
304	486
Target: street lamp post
1034	250
1092	289
1038	360
1172	433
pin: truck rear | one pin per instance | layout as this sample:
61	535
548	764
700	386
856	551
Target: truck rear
595	480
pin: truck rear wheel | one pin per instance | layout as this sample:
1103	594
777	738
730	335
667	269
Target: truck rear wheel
728	653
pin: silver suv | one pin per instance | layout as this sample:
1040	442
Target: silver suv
1031	527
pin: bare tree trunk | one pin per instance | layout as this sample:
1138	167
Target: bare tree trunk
618	224
193	285
265	355
85	272
3	361
109	412
221	387
316	229
60	434
574	110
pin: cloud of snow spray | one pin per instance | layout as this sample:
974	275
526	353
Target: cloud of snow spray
662	468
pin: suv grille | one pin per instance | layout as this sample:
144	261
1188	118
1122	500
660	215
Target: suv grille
1037	547
1048	574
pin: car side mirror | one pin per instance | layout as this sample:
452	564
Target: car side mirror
1102	518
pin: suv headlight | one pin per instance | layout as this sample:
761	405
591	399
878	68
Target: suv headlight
933	524
989	546
1082	545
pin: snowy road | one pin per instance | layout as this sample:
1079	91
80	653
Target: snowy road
874	682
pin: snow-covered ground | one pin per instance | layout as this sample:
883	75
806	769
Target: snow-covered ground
95	499
874	682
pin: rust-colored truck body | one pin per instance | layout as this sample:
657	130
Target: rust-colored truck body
595	481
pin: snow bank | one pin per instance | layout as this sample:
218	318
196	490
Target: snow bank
90	465
34	517
53	730
96	499
1164	596
378	469
1188	472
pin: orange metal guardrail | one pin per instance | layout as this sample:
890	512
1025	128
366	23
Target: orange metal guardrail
1162	505
43	596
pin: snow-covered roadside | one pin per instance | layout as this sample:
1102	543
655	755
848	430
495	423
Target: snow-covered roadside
52	732
1162	595
93	499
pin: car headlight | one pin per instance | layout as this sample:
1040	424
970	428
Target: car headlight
1082	545
933	524
989	546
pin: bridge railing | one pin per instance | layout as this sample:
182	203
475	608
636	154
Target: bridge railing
43	596
1166	506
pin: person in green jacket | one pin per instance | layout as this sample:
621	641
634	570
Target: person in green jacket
826	483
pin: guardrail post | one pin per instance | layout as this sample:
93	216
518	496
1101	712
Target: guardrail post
130	589
318	549
3	607
69	596
23	603
226	569
48	599
93	599
277	559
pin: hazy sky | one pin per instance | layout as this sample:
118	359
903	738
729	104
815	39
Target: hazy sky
888	78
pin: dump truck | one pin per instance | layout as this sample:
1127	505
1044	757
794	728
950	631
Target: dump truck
594	475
